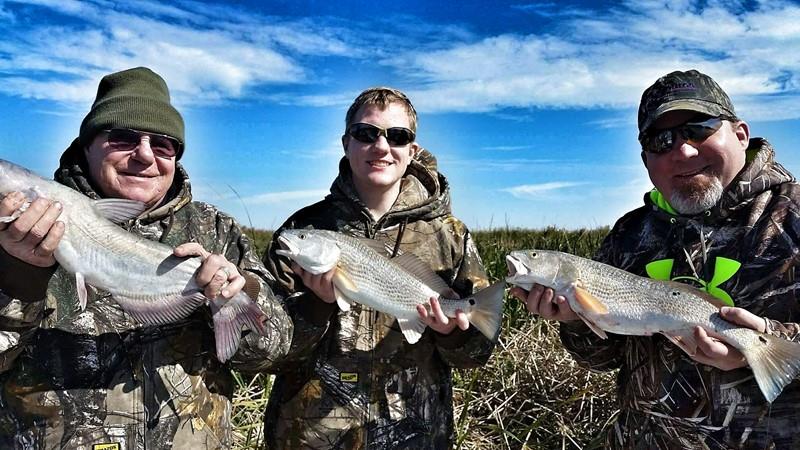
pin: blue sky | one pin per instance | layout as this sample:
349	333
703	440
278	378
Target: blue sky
530	107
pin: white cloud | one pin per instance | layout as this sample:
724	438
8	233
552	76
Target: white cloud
584	58
203	57
607	58
537	191
287	196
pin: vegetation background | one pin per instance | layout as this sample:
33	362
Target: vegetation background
531	394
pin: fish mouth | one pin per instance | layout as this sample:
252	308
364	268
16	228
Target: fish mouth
287	249
515	266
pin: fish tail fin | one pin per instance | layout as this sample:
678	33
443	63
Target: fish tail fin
230	317
775	364
487	313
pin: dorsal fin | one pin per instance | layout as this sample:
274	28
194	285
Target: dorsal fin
422	271
375	245
118	210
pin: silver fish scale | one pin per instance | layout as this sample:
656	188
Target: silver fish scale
639	305
385	285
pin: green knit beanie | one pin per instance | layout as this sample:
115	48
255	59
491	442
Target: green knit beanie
136	98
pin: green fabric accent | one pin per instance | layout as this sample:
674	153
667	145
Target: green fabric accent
660	269
661	202
724	270
136	98
720	294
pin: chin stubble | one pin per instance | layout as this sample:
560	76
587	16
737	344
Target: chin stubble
693	200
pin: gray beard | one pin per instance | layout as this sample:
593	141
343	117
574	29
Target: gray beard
697	199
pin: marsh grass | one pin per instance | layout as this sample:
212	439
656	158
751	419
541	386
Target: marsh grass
531	394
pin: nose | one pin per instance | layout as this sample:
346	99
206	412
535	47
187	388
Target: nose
683	149
382	144
143	153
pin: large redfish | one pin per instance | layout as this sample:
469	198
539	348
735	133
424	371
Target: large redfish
143	276
394	286
613	300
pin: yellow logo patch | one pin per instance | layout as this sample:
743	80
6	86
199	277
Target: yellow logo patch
348	377
113	446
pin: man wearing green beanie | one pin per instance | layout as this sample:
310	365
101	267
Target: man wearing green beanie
96	379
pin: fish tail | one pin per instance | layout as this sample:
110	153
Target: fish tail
775	364
487	313
230	317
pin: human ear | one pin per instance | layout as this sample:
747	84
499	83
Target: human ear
644	158
742	132
414	149
345	140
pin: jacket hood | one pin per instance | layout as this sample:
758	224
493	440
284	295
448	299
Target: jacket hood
760	173
424	192
73	171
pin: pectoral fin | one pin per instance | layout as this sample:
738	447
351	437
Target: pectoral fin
592	326
344	288
589	302
83	294
412	329
684	339
341	300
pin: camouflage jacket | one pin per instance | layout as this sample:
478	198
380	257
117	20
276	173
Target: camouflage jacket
667	400
351	380
79	380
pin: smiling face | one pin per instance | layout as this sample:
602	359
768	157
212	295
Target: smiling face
137	174
693	176
379	167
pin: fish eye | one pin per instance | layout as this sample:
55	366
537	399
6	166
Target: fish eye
302	236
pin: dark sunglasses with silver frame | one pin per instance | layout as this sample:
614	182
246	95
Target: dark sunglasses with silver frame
369	133
126	139
694	131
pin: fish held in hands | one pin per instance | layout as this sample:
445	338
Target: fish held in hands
612	300
391	285
143	276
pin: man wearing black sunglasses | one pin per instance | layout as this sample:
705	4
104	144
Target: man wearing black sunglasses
97	379
351	379
725	217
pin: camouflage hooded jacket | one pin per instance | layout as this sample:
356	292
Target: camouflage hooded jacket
667	400
82	380
351	380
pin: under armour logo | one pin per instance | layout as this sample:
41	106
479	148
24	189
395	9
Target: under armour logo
724	270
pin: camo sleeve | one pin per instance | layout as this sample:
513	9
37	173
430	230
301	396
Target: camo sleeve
470	348
22	304
588	349
257	353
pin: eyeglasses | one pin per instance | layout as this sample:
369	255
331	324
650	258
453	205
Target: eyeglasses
368	133
125	140
661	141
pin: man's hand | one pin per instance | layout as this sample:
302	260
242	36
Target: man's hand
35	234
219	276
712	351
438	321
321	285
543	302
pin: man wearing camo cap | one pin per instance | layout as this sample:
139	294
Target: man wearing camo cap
724	217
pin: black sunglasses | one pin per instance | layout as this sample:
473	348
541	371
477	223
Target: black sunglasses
661	141
126	139
368	133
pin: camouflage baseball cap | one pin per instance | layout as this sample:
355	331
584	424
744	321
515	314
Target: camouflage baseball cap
690	90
